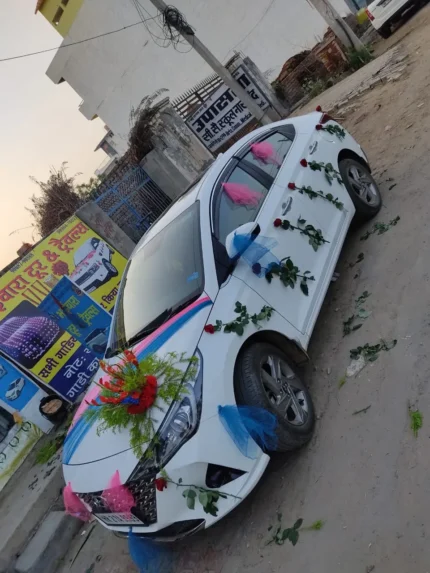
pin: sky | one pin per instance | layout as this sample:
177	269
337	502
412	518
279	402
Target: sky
40	123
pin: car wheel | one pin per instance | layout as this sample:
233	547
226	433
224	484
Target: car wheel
111	269
385	31
362	189
264	377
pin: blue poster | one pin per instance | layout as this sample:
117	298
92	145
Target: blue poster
15	388
78	314
76	375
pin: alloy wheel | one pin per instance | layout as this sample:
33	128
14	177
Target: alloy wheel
284	390
363	185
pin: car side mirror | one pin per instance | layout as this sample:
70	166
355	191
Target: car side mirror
239	240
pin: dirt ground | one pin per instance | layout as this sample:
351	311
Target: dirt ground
365	475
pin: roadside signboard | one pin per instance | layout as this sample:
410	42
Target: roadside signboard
20	394
78	314
39	345
224	114
73	250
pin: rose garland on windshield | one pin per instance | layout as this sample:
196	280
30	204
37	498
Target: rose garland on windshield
134	388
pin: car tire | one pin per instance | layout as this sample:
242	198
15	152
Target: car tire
111	269
385	31
251	389
362	189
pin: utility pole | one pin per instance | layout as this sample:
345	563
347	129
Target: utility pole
188	34
337	24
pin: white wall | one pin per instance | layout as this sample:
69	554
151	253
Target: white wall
113	73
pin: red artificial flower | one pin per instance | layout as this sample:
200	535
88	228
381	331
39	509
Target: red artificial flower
291	186
131	357
209	328
277	222
152	381
318	127
318	108
303	163
160	484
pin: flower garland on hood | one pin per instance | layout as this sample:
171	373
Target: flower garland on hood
132	389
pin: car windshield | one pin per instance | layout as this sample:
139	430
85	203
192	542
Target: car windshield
161	278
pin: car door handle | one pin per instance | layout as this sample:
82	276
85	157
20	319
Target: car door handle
287	205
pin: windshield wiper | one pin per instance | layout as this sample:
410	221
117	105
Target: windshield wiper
152	327
159	321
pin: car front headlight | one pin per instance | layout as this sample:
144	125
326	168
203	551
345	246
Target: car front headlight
179	425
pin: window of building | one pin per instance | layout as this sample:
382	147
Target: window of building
57	16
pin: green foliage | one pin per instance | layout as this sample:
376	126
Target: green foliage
207	498
307	190
315	87
238	324
315	236
334	130
360	313
87	190
416	419
48	450
357	58
329	171
380	228
116	417
316	525
288	274
280	535
371	353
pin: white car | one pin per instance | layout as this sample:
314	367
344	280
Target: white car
184	275
384	13
15	389
93	266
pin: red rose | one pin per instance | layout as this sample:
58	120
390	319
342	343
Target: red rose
318	127
209	328
318	108
291	186
303	163
160	484
151	381
277	222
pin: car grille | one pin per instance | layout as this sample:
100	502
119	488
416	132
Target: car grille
143	513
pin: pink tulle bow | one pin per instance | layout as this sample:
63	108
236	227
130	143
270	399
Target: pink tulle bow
74	505
241	194
265	153
117	496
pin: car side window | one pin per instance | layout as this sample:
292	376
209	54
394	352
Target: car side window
240	199
268	154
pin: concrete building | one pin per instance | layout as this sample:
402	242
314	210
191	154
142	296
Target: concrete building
113	73
60	13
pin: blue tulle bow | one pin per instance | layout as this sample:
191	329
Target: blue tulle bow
250	428
255	251
148	556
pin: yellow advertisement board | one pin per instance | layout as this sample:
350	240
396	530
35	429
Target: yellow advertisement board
73	250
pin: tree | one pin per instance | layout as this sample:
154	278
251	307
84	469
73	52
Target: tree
143	120
86	191
57	201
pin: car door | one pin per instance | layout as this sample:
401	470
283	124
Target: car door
268	176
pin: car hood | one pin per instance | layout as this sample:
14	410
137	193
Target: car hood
85	443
